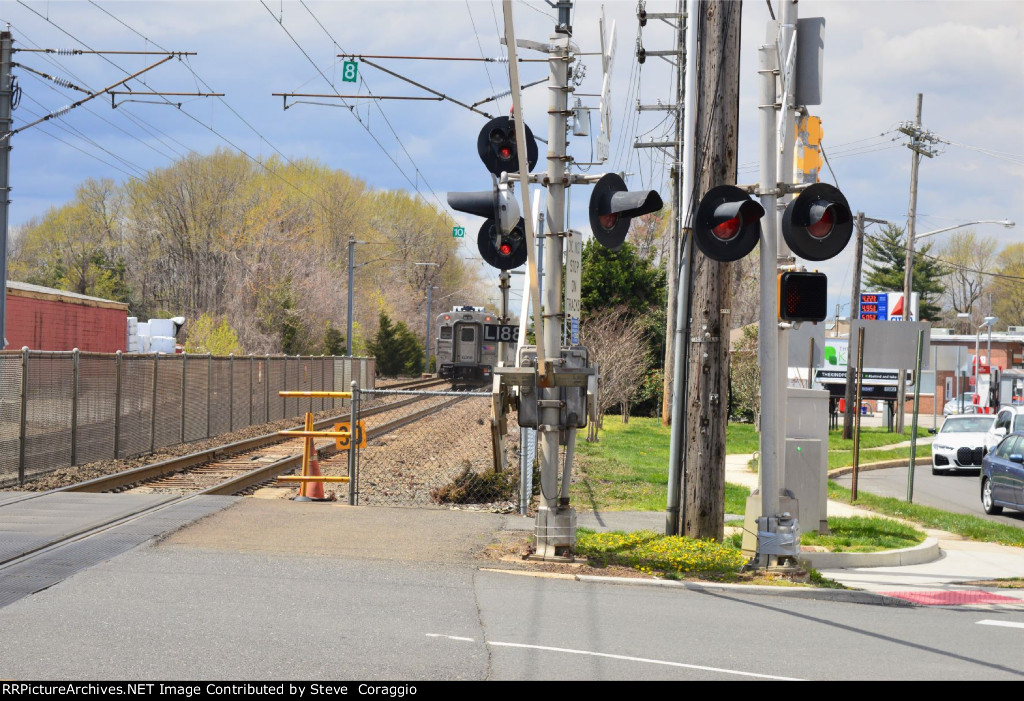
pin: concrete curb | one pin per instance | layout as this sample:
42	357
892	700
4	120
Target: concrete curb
928	551
853	596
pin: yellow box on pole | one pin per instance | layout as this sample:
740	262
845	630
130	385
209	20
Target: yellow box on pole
343	443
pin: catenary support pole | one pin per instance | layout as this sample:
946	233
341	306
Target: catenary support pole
6	97
351	269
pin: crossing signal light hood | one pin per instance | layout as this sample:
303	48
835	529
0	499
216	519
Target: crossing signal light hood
818	224
613	206
727	225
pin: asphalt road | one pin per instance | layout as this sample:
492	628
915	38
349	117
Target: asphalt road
174	612
959	493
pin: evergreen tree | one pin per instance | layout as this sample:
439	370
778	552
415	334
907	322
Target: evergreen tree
619	278
397	350
886	263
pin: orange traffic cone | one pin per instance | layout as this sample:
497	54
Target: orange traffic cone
314	490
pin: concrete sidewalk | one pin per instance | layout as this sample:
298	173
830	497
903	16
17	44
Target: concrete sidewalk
941	568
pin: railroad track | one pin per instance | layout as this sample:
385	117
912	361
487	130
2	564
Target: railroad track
241	466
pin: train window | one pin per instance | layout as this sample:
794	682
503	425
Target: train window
468	334
446	333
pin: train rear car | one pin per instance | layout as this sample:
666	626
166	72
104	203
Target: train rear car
467	345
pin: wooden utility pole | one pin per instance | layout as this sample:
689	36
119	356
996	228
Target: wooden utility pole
707	383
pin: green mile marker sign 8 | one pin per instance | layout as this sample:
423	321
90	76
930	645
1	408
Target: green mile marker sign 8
349	71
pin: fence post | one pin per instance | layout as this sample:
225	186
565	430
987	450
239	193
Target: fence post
152	414
184	367
117	404
22	432
353	427
250	388
266	388
75	355
209	390
231	391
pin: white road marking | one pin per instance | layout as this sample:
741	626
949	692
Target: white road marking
623	657
1006	624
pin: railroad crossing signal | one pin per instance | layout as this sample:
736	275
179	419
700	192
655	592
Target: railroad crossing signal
818	224
613	206
727	225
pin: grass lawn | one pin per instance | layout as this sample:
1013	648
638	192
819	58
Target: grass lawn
627	470
962	524
859	534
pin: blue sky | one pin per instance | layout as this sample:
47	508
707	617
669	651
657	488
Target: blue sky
966	58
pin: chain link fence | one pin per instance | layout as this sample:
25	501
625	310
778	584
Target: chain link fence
60	409
442	459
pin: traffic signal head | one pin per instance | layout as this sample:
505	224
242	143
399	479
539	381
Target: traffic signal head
612	208
803	296
727	225
817	224
497	146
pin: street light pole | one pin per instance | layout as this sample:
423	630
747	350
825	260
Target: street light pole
351	269
426	362
426	346
1005	222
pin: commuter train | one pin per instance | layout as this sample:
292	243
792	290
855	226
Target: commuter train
467	345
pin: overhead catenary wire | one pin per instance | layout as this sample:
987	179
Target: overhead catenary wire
356	115
150	129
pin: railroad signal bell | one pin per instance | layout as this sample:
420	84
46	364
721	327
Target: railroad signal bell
803	296
817	224
497	147
613	206
727	225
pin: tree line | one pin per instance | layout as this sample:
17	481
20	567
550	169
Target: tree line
253	255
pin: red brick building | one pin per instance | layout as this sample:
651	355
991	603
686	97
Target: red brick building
46	319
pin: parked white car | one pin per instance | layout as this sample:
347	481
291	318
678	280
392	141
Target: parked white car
962	441
964	405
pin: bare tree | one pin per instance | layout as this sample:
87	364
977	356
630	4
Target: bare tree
967	256
618	344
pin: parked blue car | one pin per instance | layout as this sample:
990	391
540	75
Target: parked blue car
1002	475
